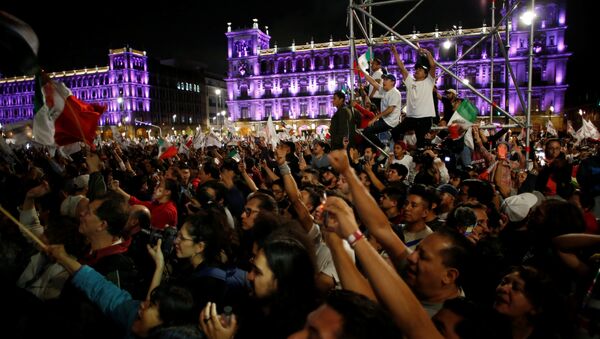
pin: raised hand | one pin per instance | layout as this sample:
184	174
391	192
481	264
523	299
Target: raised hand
346	222
242	166
156	253
93	162
114	185
339	160
216	326
280	154
39	191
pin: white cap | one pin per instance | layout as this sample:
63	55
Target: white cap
517	207
69	206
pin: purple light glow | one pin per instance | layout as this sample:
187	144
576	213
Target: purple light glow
559	77
331	85
561	18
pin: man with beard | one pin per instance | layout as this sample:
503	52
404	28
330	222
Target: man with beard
329	178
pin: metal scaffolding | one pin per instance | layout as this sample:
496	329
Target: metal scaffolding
363	7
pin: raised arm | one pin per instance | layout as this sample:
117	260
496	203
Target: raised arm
373	82
114	185
430	60
368	210
399	62
350	277
291	189
251	184
28	215
373	177
269	171
390	289
159	262
113	301
96	185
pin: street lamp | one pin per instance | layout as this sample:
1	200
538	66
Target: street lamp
447	44
527	17
218	93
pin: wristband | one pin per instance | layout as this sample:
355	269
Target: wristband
355	237
284	169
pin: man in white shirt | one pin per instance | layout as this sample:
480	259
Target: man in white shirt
420	109
390	108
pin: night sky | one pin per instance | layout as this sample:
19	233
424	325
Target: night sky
78	34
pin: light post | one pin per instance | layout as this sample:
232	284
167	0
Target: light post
222	114
218	93
447	44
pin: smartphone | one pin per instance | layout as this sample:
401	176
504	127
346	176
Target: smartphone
469	230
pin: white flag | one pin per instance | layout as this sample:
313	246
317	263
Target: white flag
271	134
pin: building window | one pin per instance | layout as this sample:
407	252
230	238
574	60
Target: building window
303	110
322	109
268	110
244	91
244	112
285	110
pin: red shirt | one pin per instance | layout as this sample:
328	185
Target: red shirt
591	225
93	257
161	215
366	115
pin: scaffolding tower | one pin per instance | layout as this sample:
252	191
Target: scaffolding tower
363	7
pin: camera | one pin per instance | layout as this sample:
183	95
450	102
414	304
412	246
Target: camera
168	235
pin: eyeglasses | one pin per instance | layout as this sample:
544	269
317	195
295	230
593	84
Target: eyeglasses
249	211
180	237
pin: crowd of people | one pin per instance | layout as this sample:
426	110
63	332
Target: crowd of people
312	238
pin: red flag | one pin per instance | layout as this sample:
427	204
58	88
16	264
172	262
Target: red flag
168	153
63	119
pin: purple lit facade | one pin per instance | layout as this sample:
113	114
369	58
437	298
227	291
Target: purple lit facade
173	93
297	82
122	87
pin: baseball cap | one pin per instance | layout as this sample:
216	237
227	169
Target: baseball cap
69	206
81	181
423	66
517	207
389	76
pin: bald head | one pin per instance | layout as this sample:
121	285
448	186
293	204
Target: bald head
139	217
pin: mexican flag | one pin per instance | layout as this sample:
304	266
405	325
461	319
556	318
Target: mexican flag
465	115
364	61
461	121
60	117
165	149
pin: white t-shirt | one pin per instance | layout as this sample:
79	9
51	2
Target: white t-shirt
413	239
324	260
407	161
391	98
419	97
377	76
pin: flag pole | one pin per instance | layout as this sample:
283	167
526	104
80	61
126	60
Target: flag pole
24	229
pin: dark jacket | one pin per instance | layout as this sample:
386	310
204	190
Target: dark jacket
560	171
342	125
